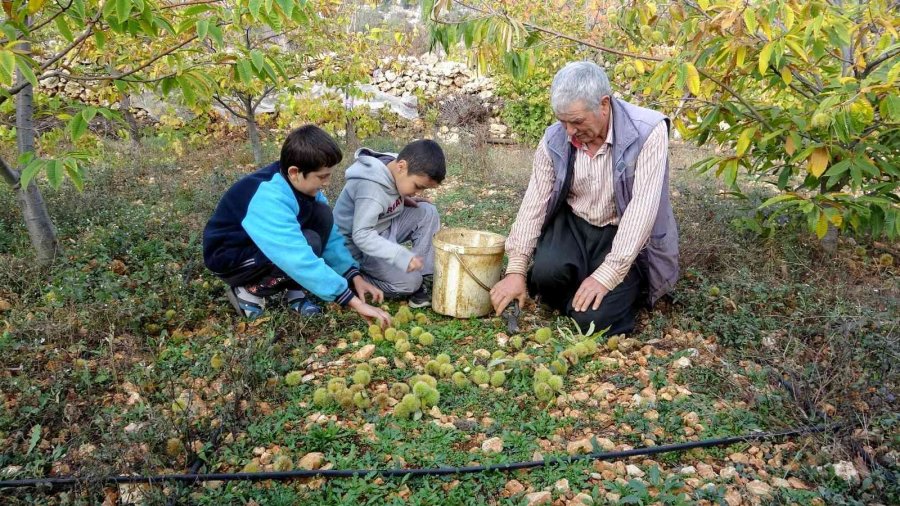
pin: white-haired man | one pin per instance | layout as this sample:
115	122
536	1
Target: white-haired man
596	223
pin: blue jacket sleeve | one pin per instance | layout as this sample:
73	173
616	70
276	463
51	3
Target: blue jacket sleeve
335	252
271	222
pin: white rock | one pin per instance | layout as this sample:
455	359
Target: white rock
682	363
845	471
537	498
759	488
634	471
492	445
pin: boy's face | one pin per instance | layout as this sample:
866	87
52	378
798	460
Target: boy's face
311	183
410	185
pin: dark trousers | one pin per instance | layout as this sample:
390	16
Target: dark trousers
569	250
263	278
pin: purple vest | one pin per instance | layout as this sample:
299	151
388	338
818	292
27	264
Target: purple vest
658	261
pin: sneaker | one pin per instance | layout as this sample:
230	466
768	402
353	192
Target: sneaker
422	297
245	303
301	304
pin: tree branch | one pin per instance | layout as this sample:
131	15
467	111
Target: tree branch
605	49
10	175
188	4
81	38
878	61
45	22
265	93
228	108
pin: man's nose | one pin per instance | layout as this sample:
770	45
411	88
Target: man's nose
570	130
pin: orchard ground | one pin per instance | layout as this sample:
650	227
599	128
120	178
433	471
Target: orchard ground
124	357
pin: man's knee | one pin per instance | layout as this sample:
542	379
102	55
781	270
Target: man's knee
547	274
427	215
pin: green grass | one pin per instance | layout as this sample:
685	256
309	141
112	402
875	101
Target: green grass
96	349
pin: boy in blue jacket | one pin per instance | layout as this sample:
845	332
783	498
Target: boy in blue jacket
273	232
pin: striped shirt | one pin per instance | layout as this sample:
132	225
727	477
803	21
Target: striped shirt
592	199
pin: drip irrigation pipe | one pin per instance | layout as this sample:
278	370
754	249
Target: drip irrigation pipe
438	471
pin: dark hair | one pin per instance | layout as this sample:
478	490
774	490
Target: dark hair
309	148
425	157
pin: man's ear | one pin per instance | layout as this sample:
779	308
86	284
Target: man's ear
402	166
293	172
605	103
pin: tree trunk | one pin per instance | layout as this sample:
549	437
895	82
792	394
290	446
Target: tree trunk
133	128
40	226
253	130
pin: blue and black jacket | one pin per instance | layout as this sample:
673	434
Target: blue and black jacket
259	220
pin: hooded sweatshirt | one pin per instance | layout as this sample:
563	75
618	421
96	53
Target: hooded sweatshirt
366	206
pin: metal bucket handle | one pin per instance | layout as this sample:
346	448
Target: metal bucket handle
469	271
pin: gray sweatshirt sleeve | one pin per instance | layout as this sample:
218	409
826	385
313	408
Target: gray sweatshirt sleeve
367	239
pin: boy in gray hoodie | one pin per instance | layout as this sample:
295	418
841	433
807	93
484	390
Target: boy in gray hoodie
378	210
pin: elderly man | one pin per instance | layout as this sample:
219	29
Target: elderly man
596	217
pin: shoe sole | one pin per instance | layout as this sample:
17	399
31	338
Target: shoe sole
417	305
234	301
236	304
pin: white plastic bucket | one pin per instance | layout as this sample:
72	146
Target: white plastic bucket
467	263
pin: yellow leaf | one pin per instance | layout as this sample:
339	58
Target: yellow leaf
821	225
837	220
693	78
818	161
750	20
789	146
744	141
796	48
704	4
639	66
786	75
34	6
764	56
740	55
788	17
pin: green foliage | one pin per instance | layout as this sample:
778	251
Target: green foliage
526	106
803	96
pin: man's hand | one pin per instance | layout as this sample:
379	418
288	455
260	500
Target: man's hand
370	313
508	289
415	264
589	295
363	287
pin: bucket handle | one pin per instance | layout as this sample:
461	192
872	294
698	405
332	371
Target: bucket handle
469	272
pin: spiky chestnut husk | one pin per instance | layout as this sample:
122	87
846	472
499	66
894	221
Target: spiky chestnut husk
569	355
411	402
443	358
364	367
416	331
581	349
390	334
401	334
542	374
543	391
446	370
398	390
402	345
362	377
361	400
321	397
355	335
374	330
560	367
556	383
382	400
335	385
426	339
498	378
344	398
251	467
498	354
459	379
431	397
481	377
516	342
282	463
542	335
293	378
432	367
174	447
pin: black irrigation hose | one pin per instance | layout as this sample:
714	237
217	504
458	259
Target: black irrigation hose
439	471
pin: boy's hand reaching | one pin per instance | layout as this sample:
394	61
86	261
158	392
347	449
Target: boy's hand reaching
414	201
363	287
415	264
370	313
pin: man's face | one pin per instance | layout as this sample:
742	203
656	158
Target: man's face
410	185
311	183
587	125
